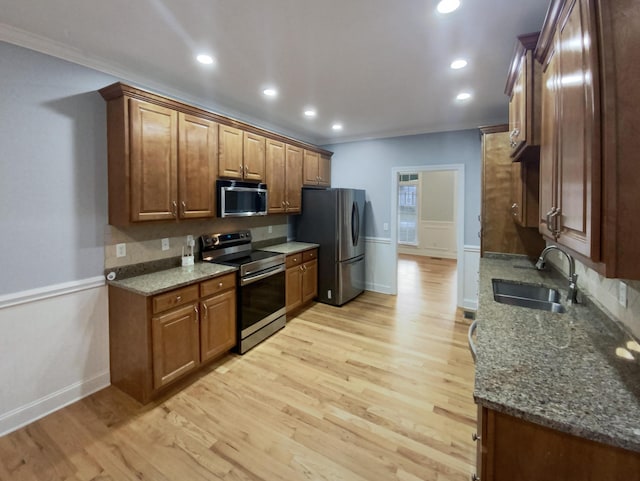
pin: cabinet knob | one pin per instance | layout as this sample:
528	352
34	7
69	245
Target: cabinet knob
220	284
475	436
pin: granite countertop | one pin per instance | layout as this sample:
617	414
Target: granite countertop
565	371
290	247
168	279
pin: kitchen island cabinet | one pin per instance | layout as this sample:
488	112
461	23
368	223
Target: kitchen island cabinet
590	141
158	338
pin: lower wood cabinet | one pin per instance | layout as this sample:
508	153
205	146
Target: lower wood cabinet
513	449
301	279
155	340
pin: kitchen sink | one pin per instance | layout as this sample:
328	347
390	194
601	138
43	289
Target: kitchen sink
527	295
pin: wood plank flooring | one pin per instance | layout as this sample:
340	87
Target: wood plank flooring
380	389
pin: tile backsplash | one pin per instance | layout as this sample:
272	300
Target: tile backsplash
604	292
144	241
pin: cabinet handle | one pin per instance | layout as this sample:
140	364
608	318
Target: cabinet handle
549	214
474	477
283	204
556	222
174	209
475	437
300	268
195	308
205	315
220	284
514	133
514	209
178	298
183	204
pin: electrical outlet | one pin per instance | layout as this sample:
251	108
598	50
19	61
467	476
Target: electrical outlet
622	294
121	250
165	244
385	226
270	229
189	239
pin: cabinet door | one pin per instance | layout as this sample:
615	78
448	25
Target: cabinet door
324	171
309	280
294	288
275	176
578	155
230	152
218	326
294	179
549	145
176	348
254	156
517	107
153	139
310	168
197	166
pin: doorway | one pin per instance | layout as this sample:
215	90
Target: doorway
458	210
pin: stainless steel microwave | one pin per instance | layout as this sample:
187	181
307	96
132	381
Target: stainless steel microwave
241	199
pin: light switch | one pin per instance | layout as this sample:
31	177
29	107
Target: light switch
385	226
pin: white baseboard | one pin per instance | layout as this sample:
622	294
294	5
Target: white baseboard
470	304
52	402
380	288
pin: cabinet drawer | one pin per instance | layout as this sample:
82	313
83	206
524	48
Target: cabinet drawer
175	298
309	255
217	284
294	259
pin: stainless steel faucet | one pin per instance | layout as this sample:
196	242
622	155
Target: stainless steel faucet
573	277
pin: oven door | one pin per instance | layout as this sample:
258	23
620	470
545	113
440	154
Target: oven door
261	299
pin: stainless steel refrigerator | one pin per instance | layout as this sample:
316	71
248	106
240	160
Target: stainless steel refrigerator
334	218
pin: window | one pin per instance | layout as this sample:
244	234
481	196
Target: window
408	209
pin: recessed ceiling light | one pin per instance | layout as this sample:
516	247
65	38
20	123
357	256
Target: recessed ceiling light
310	113
270	92
448	6
463	96
336	126
458	64
205	59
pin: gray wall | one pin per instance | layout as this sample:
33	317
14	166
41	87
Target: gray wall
53	170
367	165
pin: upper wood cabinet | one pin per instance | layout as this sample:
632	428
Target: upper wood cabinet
197	166
590	139
524	192
284	177
242	154
523	89
165	156
317	169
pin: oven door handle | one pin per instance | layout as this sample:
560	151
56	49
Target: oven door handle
256	277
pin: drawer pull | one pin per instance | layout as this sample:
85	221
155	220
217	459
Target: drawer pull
474	477
178	298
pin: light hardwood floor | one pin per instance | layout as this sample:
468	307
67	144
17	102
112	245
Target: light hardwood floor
380	389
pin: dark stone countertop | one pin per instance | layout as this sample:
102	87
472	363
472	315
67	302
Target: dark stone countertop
570	371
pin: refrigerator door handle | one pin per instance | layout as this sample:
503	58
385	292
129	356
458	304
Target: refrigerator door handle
354	216
353	261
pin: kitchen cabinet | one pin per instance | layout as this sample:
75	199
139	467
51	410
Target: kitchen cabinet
172	159
316	169
506	191
156	340
523	90
165	156
524	192
197	165
301	279
284	177
511	448
242	154
590	141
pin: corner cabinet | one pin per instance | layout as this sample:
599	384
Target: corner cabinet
511	448
156	340
523	90
301	279
590	139
160	162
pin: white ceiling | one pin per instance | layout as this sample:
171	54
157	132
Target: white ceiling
380	67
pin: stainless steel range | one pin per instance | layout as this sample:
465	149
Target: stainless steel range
261	284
